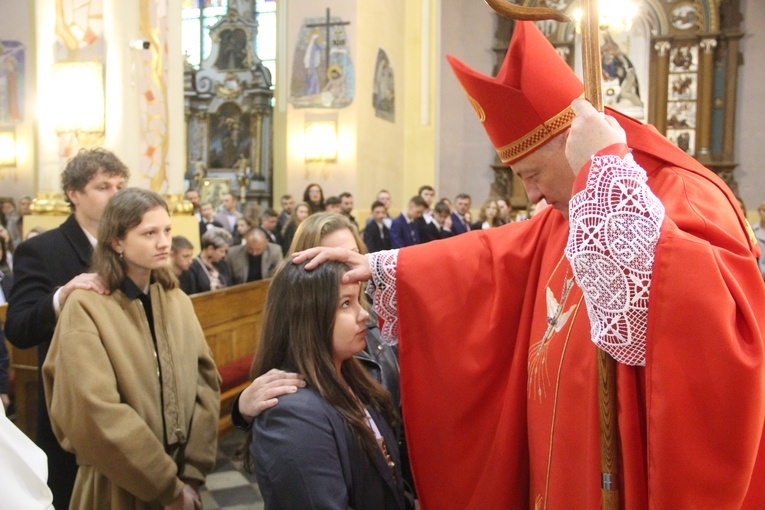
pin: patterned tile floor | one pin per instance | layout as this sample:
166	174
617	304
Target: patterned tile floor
229	486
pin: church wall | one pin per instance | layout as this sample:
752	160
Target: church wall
750	114
464	151
380	162
16	24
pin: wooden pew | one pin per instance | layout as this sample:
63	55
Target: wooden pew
231	319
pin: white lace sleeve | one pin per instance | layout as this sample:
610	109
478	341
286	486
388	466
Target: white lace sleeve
615	224
383	292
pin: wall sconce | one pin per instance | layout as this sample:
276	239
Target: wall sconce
615	15
7	147
321	139
79	106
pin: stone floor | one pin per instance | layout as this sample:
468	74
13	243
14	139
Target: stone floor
229	486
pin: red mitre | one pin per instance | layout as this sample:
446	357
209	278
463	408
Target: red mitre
529	102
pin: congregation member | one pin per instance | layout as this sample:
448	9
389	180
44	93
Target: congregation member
301	212
256	259
332	205
209	270
441	225
346	207
461	214
488	216
47	268
268	224
330	444
376	234
243	225
406	230
383	196
6	282
130	383
228	215
314	197
192	195
181	255
516	371
6	259
207	220
16	223
288	204
504	211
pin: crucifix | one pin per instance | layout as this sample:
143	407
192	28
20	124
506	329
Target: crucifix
327	25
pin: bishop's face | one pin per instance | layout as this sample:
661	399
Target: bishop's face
546	174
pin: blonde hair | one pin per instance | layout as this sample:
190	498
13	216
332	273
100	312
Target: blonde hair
312	230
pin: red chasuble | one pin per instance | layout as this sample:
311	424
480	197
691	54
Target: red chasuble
498	370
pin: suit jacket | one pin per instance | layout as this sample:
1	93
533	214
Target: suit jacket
239	262
273	237
457	226
403	233
306	457
222	218
41	265
196	280
203	226
431	232
373	239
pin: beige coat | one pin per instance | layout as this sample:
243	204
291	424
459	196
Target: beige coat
106	404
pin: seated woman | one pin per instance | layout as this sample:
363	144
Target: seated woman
488	217
209	270
329	445
130	382
301	212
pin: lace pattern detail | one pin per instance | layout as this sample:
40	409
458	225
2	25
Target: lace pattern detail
383	292
615	224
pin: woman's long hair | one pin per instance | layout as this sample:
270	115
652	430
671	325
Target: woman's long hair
296	336
293	220
313	229
122	213
482	217
313	207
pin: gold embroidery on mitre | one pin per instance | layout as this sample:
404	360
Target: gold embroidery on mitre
477	107
537	136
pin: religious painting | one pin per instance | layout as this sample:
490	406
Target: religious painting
685	16
681	114
383	97
11	82
323	75
229	136
684	59
683	138
213	190
683	87
621	78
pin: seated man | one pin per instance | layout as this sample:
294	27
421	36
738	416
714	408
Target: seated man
405	230
257	259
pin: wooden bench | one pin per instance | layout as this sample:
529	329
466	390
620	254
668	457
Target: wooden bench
231	319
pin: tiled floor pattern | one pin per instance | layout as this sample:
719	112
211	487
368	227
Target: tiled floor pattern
229	486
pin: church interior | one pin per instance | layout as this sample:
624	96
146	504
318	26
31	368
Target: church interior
261	98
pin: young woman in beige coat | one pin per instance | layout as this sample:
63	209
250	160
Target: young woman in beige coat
130	383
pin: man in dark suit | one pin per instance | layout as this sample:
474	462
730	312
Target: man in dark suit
47	268
206	220
440	224
288	204
257	259
268	221
376	234
405	230
460	223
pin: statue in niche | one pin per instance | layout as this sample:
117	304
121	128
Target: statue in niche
233	50
620	82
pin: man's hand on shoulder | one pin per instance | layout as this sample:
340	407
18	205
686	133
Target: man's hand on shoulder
87	281
591	131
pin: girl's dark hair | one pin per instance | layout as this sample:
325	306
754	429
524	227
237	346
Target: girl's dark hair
297	336
122	213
